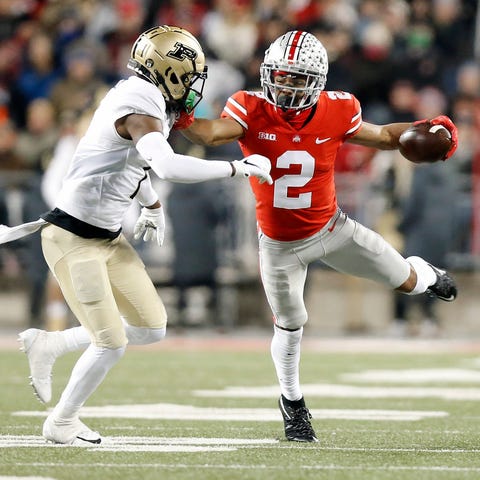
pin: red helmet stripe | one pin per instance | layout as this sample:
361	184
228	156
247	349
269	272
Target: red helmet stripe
292	51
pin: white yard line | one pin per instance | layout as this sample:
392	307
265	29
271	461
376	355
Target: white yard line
166	411
327	390
237	466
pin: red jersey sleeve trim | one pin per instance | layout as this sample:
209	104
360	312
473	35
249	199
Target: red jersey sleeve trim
357	120
237	111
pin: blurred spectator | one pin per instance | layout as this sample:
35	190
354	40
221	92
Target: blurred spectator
11	50
130	17
464	111
35	147
373	64
230	31
66	21
196	249
403	98
9	158
77	90
100	19
402	101
185	13
38	74
427	225
10	169
450	21
353	181
467	79
35	143
11	179
223	79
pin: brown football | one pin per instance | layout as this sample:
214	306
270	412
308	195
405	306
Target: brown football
425	143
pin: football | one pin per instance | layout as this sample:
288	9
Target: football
425	143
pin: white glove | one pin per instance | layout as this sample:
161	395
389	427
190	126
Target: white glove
256	165
150	224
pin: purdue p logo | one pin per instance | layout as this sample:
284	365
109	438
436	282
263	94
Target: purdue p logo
181	52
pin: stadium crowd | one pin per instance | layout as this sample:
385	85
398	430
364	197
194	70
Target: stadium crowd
404	60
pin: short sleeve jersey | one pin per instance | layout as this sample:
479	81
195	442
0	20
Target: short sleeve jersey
106	170
302	198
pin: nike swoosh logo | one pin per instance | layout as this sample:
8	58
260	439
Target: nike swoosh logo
318	141
96	441
448	299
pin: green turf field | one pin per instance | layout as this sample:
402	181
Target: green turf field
179	412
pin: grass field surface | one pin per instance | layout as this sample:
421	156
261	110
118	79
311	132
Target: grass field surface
206	409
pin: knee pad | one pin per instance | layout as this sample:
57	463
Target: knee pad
144	335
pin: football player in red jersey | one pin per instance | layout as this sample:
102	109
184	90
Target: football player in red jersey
300	127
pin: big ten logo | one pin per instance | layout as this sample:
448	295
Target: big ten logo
267	136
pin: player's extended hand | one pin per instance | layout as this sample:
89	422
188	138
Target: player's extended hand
253	165
150	224
444	121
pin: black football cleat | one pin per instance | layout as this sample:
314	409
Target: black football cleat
296	419
444	288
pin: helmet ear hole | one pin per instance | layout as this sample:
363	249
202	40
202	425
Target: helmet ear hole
174	79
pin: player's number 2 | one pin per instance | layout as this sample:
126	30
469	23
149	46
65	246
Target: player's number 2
281	196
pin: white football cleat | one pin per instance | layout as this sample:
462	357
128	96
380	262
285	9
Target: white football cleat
41	348
69	432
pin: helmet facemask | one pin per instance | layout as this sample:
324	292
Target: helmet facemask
191	84
303	88
296	62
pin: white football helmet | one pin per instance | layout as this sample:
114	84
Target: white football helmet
172	59
297	54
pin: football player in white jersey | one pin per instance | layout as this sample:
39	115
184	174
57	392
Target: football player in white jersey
101	276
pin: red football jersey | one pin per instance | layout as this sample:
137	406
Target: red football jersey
302	198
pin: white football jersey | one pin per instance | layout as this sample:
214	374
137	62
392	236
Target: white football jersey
106	169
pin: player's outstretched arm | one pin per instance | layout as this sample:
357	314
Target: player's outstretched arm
178	168
213	132
147	134
387	137
383	137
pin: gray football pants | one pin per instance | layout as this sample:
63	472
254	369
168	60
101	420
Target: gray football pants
343	244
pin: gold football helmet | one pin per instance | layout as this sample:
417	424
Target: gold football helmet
172	59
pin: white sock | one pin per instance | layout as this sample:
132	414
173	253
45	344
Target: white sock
87	374
285	350
425	275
